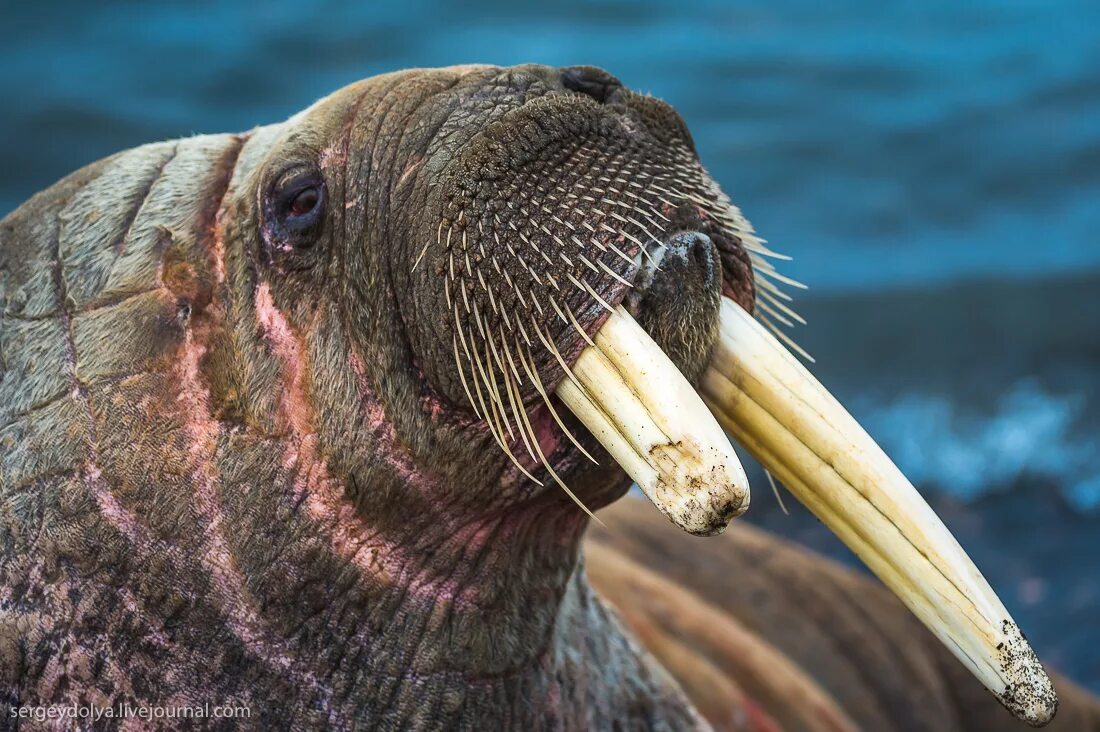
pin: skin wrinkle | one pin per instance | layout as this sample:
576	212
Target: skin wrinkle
110	507
120	245
537	658
312	485
387	97
225	580
874	623
295	409
401	140
674	617
441	121
90	473
345	148
205	430
217	228
809	591
112	510
523	667
381	429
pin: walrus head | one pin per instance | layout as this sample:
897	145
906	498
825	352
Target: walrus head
471	241
490	293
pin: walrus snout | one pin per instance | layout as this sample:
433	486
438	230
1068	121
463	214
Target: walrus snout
676	298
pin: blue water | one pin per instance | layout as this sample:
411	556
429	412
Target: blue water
914	143
933	167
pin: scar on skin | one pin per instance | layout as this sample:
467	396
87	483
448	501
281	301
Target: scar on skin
294	407
323	496
411	169
227	581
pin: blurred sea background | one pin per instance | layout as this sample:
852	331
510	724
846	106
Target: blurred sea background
933	168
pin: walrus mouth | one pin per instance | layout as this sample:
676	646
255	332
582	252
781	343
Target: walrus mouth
629	394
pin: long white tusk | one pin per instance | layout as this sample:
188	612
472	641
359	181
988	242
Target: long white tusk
635	401
799	432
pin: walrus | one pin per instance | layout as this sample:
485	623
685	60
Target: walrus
311	422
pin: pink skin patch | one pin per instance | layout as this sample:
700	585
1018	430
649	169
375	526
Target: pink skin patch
219	246
323	496
112	510
295	410
334	157
383	435
411	169
237	606
349	536
757	719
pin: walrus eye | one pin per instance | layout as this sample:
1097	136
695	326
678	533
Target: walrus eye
305	202
299	208
294	211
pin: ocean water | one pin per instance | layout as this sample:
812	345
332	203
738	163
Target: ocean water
934	169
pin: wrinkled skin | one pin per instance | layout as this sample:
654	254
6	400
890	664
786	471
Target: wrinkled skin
245	451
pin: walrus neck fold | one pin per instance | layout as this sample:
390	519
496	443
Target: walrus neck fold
556	650
442	622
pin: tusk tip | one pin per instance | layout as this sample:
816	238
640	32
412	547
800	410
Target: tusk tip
704	507
1028	693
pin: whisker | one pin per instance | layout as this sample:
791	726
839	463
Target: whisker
785	338
776	303
613	273
775	490
420	256
462	375
533	375
774	314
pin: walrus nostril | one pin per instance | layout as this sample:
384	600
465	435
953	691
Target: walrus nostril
695	251
675	298
591	81
686	256
699	247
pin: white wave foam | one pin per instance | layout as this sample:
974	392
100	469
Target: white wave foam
1030	432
